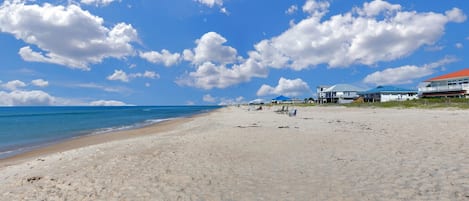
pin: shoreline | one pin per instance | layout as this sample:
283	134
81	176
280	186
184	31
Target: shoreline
97	138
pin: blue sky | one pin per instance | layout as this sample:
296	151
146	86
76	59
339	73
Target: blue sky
183	52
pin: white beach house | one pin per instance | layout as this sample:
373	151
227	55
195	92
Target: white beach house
454	84
321	94
341	93
388	93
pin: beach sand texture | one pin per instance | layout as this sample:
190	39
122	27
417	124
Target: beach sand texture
323	153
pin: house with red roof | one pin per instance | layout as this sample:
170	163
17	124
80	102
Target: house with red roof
454	84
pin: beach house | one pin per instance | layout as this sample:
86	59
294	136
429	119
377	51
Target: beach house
454	84
341	93
388	93
321	94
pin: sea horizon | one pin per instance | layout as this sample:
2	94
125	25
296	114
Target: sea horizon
25	128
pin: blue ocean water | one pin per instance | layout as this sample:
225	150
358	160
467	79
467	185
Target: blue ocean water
26	128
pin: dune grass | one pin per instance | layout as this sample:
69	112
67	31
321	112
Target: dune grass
461	103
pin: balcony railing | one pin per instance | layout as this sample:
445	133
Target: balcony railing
448	88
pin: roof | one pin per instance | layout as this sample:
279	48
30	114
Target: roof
343	87
281	98
388	89
457	74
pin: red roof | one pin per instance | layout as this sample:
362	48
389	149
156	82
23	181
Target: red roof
457	74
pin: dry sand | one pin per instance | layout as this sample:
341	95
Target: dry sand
324	153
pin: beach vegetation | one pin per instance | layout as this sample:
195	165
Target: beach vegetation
462	103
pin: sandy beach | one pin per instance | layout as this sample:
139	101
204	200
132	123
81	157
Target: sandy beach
234	153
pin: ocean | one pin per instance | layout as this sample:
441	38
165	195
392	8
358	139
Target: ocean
26	128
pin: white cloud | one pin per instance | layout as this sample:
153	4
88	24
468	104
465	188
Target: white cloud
286	87
224	11
40	83
26	98
208	98
65	35
292	9
316	8
405	74
148	74
379	31
232	101
211	3
456	15
210	48
97	2
459	45
13	85
377	7
108	103
209	75
165	57
218	66
120	75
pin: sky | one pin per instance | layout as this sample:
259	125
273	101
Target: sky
210	52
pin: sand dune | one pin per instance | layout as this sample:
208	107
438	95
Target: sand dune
323	153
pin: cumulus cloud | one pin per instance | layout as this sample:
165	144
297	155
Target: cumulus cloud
377	7
405	74
165	57
108	103
209	98
209	75
378	31
218	66
286	87
97	2
26	98
13	85
316	8
459	45
40	83
119	75
210	48
65	35
122	76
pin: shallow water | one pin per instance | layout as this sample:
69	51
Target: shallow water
24	128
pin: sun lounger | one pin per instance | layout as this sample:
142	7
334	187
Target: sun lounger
292	113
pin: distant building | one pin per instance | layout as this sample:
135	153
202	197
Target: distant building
388	93
454	84
321	94
341	93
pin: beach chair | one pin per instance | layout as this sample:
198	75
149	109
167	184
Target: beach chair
292	113
281	110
